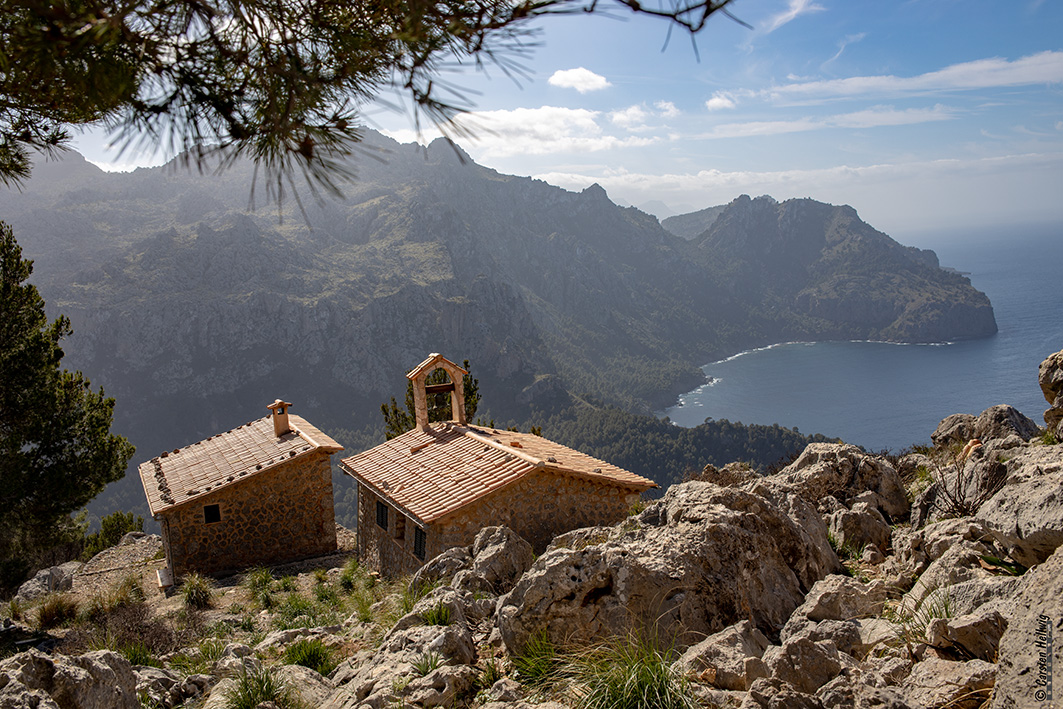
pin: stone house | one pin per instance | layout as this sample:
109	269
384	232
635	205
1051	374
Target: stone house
436	486
258	494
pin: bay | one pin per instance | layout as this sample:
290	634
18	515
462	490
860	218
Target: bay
883	395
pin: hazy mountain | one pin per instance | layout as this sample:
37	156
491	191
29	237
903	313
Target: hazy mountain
694	223
195	315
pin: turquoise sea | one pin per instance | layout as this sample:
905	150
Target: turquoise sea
881	395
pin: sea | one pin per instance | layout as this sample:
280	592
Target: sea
890	396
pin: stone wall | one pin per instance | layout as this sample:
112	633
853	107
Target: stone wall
537	507
275	516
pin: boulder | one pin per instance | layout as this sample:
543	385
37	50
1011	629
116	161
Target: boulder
962	562
1002	421
1024	659
497	557
803	663
159	686
954	429
974	636
969	596
689	565
843	693
730	659
844	472
860	527
443	687
96	680
1026	515
1050	377
54	579
935	683
836	598
310	687
774	693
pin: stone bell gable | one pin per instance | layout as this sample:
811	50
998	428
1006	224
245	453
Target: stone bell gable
260	493
435	486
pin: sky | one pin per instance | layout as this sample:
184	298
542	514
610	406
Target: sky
921	114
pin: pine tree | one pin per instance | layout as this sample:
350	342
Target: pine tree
56	449
398	421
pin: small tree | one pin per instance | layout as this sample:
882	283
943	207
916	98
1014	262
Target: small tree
398	421
56	449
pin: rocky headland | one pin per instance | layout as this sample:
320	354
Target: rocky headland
931	579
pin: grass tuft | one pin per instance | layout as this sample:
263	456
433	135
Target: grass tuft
259	687
427	663
198	592
539	664
56	609
312	653
439	614
630	673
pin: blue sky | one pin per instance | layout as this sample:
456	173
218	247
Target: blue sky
920	113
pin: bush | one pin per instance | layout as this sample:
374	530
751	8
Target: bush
631	673
198	592
56	609
311	653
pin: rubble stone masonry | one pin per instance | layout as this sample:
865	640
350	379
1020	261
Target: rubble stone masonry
275	516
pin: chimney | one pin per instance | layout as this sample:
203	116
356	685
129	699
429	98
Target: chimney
280	417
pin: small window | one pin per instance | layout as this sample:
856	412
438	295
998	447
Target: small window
400	526
418	542
381	515
212	514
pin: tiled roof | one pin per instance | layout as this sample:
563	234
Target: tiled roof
431	362
178	476
430	474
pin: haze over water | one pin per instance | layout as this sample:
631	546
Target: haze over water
881	395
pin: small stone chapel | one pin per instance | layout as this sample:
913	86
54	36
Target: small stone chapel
435	486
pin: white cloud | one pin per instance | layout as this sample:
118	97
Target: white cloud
1041	68
796	9
631	117
720	101
666	109
849	39
873	117
580	79
541	131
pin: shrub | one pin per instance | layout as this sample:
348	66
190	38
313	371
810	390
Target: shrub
257	687
56	609
631	673
312	653
288	584
198	592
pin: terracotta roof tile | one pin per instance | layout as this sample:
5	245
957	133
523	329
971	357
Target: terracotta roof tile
432	473
176	477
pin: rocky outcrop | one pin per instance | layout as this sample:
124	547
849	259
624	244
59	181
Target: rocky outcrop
1001	421
1050	377
1026	515
97	680
1031	649
730	659
494	562
699	560
55	579
846	473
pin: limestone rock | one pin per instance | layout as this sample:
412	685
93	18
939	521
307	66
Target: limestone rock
96	680
160	686
1023	658
1027	514
219	695
860	527
497	557
803	663
774	693
55	579
730	659
843	693
845	471
1001	421
442	687
690	565
975	635
1050	377
935	683
836	598
311	687
969	596
957	428
960	563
